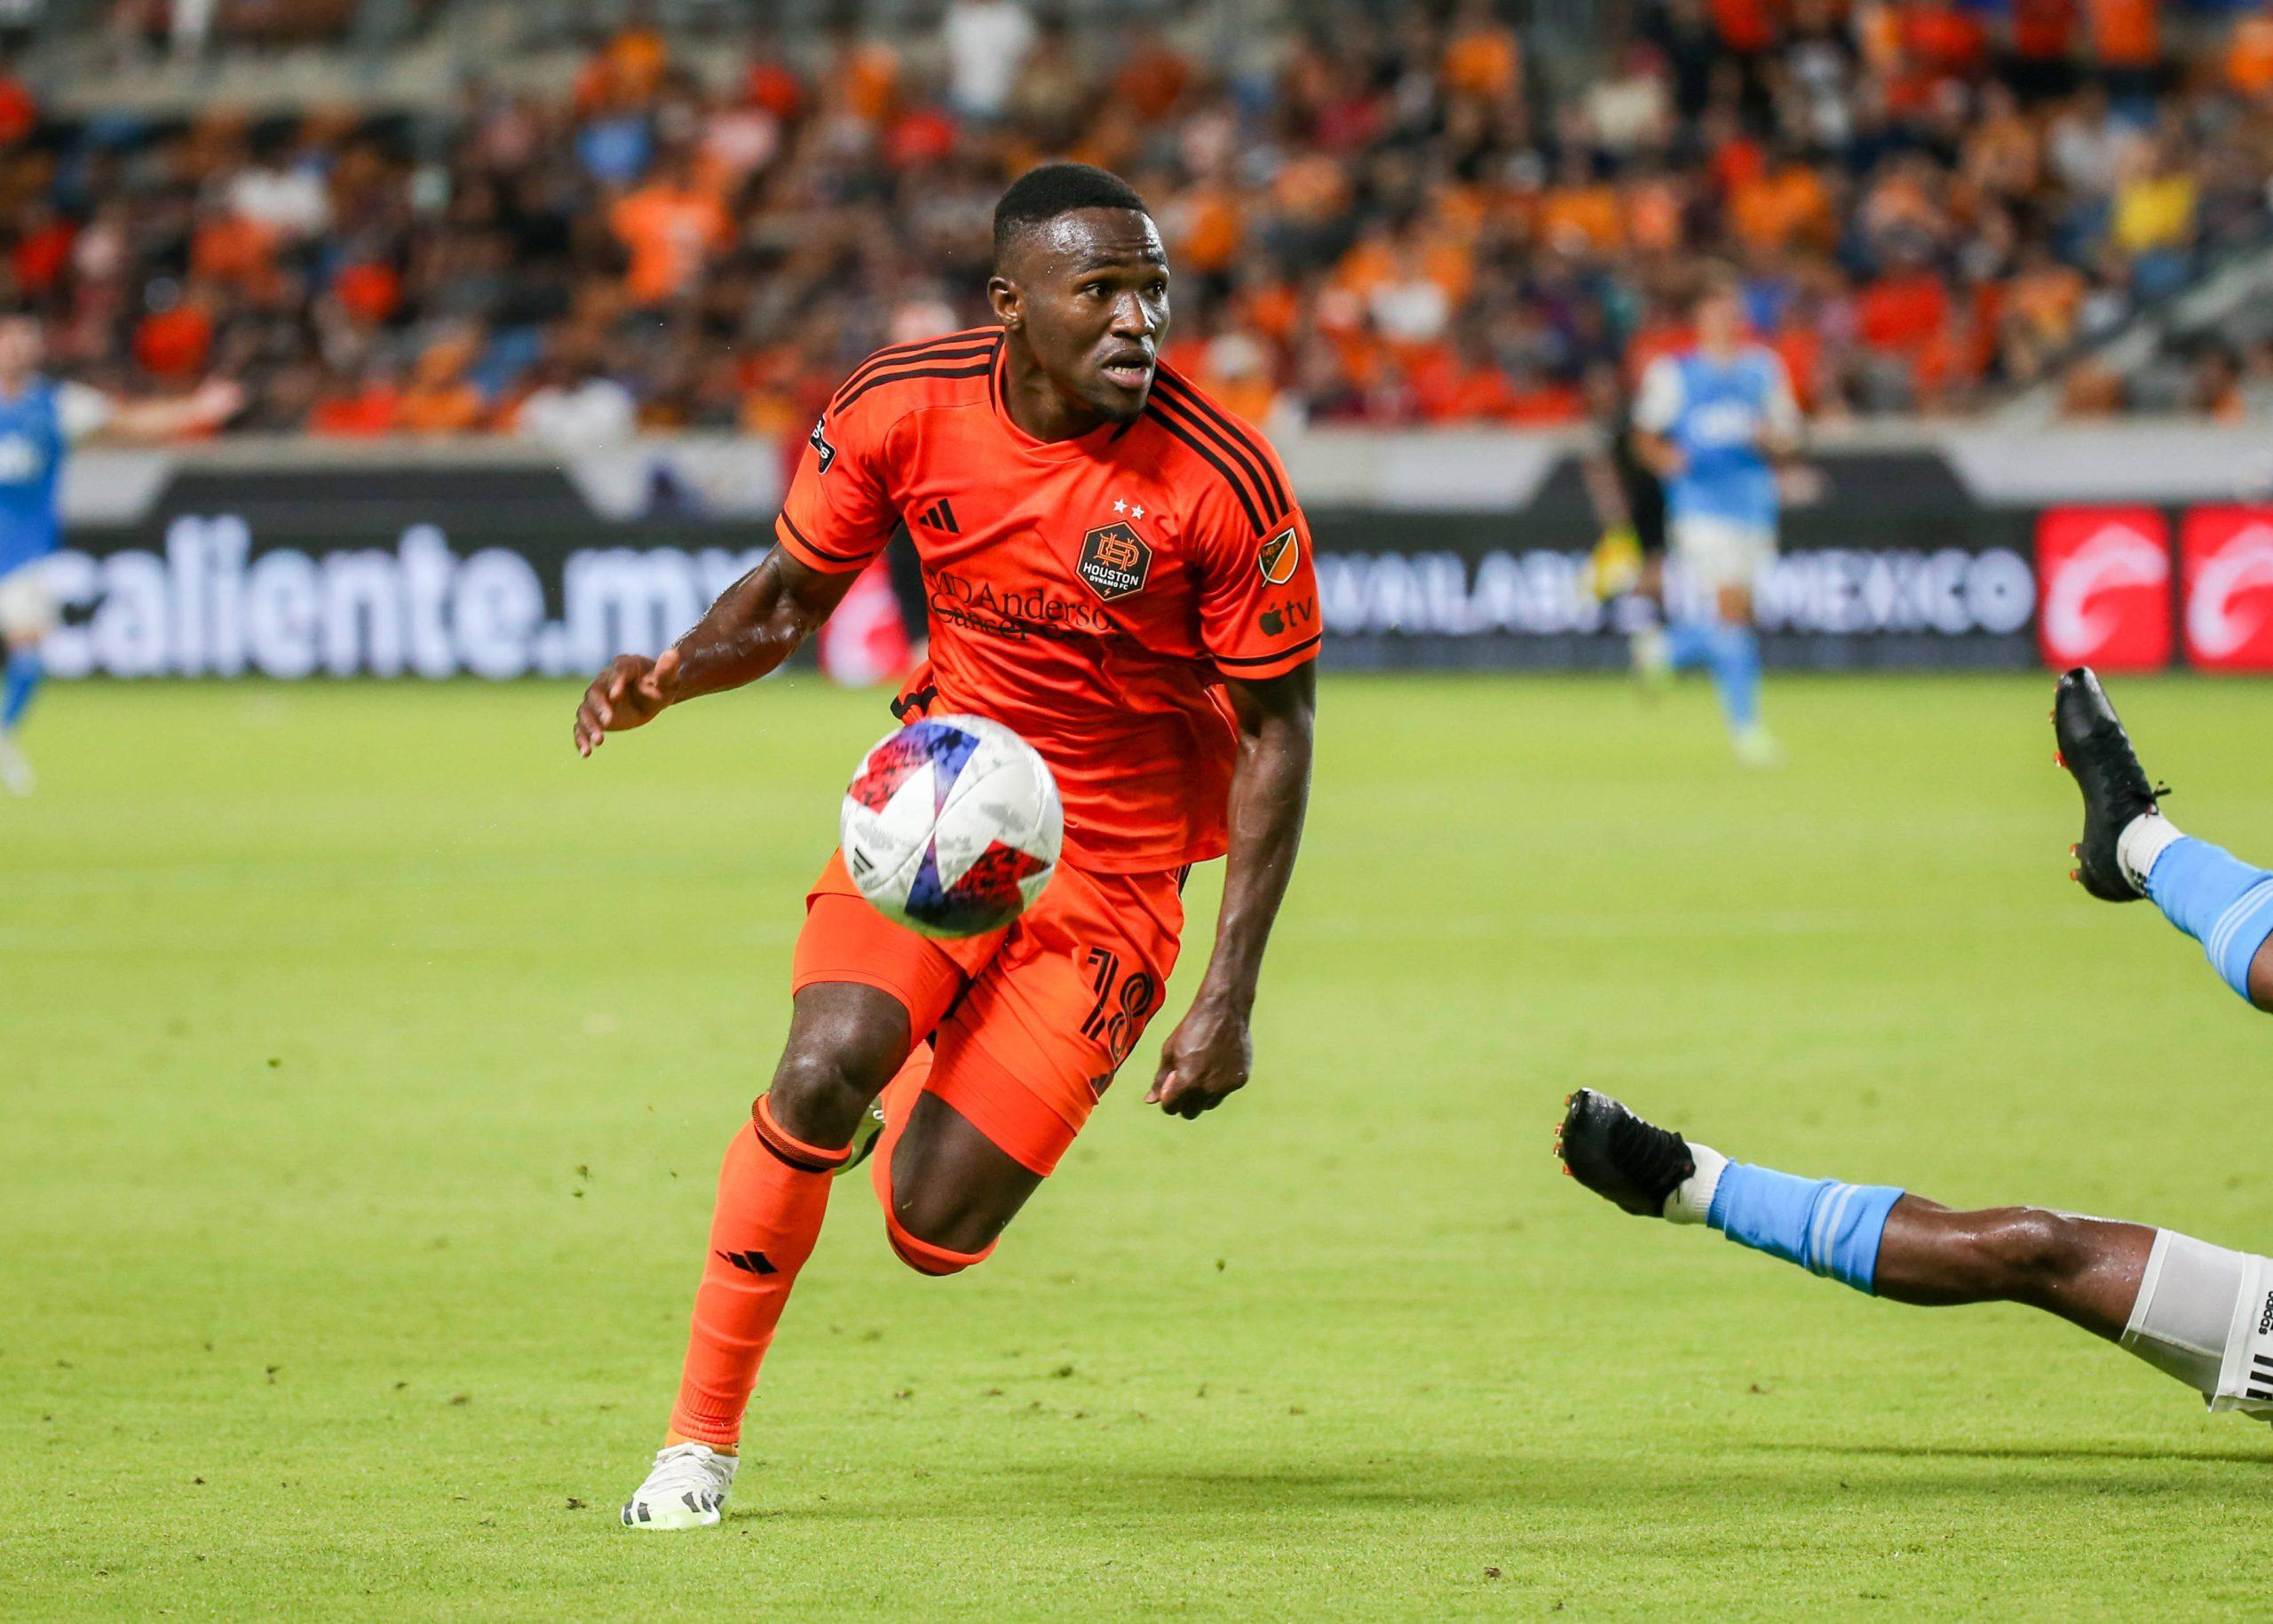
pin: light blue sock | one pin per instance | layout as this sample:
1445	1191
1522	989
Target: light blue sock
2217	899
1823	1225
22	678
1689	643
1735	660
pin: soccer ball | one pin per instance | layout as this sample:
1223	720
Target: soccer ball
952	826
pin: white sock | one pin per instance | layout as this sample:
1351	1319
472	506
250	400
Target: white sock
2143	839
1692	1197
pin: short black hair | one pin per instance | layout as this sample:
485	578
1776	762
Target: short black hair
1042	195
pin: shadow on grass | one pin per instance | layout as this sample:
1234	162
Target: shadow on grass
2027	1452
1660	1493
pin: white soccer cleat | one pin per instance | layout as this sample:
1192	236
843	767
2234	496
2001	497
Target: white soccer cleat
15	771
1652	658
687	1488
1756	746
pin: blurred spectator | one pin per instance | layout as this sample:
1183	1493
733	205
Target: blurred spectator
986	42
574	407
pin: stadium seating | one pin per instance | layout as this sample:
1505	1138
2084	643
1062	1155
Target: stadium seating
1378	217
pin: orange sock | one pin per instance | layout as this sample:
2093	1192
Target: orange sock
772	1193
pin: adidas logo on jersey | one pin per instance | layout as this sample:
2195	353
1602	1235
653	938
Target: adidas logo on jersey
940	516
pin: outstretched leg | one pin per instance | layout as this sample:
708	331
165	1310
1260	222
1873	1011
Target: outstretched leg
2197	1312
2129	850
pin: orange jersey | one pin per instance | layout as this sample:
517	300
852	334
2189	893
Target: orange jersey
1092	594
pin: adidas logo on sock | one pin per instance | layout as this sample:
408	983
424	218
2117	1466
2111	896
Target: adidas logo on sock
940	516
751	1262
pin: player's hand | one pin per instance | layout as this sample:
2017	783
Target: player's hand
628	694
216	399
1205	1060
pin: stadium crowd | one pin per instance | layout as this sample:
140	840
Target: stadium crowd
1390	222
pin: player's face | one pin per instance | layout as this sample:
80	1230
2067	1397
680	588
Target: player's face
1720	319
20	347
1090	292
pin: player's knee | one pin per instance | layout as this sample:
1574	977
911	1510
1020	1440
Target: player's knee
819	1094
2025	1248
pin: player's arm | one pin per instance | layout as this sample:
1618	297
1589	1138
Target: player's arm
1260	622
757	623
1208	1056
1656	407
1781	424
91	417
836	517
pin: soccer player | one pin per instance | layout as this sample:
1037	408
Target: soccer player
1716	423
2193	1311
1117	570
2130	850
1628	567
40	420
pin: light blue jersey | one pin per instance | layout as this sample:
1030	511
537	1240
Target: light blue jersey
1716	413
32	445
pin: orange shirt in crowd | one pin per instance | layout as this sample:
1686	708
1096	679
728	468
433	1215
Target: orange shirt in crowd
364	414
867	81
41	254
1210	231
1902	312
2043	30
1942	37
2249	59
1744	25
1484	62
174	344
2125	33
19	113
1588	211
1778	210
368	292
1653	214
670	230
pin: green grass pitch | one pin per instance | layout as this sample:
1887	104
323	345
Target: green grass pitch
368	1058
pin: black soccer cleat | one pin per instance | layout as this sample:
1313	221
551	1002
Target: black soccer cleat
1620	1157
2098	755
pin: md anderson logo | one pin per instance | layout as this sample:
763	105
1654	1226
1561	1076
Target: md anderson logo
1115	560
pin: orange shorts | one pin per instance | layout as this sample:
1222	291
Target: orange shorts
1028	1022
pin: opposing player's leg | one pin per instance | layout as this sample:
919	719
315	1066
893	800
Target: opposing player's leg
1720	559
2129	850
27	612
2197	1312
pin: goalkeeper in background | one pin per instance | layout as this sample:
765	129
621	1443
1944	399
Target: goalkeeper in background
1628	567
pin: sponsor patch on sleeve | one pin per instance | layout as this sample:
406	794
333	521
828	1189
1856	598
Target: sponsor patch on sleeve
1280	556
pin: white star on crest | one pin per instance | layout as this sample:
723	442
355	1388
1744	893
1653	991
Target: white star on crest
1137	513
1120	506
